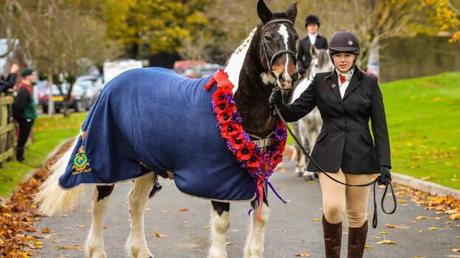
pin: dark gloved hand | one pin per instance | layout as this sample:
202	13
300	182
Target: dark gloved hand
275	97
302	71
385	176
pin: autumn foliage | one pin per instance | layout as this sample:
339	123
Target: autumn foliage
18	214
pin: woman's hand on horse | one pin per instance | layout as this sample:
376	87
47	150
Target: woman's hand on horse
275	97
385	176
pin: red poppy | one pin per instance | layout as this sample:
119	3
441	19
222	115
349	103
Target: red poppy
224	117
277	158
237	142
219	96
253	162
244	153
230	129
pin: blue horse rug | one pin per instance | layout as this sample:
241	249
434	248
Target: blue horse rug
153	118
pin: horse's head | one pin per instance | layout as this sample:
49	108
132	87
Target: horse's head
278	39
320	63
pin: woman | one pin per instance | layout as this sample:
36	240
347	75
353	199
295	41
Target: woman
347	98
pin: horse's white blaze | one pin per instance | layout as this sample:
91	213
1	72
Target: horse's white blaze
235	63
284	33
219	228
52	199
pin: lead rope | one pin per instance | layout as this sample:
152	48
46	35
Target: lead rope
374	182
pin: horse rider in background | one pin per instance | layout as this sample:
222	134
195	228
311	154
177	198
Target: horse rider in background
312	25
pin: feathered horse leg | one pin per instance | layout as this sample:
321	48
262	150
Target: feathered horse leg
136	244
254	247
94	247
220	222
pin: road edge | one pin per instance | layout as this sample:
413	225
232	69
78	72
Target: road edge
425	186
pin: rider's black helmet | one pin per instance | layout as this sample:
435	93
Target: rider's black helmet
344	41
312	19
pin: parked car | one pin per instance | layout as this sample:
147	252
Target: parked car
85	91
195	68
57	97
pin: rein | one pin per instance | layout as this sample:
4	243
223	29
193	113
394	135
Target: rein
373	182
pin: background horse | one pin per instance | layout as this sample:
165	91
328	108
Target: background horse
266	59
308	127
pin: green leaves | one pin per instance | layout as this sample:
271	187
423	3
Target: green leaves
153	25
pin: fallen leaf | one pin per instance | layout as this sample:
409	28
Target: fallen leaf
69	247
228	243
158	234
45	230
387	242
183	209
425	178
434	228
455	216
456	250
391	226
421	217
316	219
304	254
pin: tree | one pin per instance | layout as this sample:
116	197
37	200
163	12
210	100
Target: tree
152	26
446	15
57	37
372	20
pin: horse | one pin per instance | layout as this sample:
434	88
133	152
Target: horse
308	127
118	145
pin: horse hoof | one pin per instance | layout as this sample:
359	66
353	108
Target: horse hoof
299	173
309	178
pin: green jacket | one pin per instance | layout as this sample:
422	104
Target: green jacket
24	104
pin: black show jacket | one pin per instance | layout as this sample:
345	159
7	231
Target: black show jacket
345	141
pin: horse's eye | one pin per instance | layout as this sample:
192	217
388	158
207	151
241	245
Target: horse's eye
268	36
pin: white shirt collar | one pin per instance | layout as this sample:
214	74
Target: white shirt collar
348	74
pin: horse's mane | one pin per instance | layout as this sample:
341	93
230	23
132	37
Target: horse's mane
235	63
323	57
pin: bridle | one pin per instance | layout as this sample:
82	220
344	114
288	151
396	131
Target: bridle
266	49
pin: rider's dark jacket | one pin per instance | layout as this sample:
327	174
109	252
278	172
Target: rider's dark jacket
345	141
303	51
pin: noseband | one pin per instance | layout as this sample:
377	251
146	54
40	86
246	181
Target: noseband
266	49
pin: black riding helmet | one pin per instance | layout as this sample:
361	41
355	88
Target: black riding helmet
344	41
312	19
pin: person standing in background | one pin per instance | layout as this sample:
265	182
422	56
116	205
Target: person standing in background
7	84
24	111
312	24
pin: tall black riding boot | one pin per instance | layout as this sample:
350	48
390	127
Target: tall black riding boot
357	241
20	154
332	238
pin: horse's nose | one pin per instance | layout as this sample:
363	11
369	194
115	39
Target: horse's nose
285	81
286	77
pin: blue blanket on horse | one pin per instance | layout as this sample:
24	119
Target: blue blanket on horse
157	119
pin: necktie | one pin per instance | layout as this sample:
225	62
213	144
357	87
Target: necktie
342	79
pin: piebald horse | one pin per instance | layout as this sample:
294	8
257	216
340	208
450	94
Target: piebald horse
266	59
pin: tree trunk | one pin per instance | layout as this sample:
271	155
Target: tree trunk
50	94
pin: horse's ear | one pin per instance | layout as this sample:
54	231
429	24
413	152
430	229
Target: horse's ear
292	12
264	13
313	50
